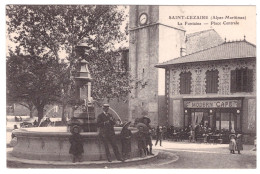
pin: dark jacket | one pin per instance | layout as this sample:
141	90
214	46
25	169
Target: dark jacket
76	142
126	135
159	132
106	124
141	140
239	143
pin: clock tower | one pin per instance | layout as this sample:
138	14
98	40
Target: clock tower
150	43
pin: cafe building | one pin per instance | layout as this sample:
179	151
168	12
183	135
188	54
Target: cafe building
214	87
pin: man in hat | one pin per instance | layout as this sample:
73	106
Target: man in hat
148	136
105	123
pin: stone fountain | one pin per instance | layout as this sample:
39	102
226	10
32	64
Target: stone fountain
52	144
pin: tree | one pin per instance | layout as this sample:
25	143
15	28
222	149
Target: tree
47	31
34	80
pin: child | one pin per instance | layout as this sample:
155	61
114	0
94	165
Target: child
232	144
76	141
239	143
141	141
126	135
159	133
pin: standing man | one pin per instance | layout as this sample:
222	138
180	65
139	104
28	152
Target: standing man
105	123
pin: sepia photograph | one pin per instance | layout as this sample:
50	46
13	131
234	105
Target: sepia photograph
112	86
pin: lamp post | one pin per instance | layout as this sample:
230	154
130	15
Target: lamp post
83	115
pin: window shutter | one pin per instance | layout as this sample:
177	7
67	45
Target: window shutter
233	81
212	81
250	80
181	83
207	82
185	83
215	81
189	83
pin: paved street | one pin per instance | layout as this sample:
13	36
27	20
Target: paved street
214	156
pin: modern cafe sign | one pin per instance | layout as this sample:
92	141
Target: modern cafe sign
213	104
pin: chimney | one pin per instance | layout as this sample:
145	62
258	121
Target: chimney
182	51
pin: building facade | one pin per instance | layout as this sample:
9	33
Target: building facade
152	42
215	87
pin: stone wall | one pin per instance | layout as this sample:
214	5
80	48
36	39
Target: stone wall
143	56
198	84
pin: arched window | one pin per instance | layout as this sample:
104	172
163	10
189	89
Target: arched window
212	81
185	82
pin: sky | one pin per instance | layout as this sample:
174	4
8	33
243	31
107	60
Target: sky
246	26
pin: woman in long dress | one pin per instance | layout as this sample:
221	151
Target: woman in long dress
232	143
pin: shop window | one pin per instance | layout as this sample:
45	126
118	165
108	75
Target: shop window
232	122
225	121
212	81
218	121
241	80
186	123
221	120
185	82
238	122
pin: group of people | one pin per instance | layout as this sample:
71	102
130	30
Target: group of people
235	143
144	136
105	124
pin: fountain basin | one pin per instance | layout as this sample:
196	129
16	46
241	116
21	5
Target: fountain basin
52	144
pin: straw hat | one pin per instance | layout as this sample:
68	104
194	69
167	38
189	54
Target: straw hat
105	105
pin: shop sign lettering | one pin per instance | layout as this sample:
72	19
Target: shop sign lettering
213	104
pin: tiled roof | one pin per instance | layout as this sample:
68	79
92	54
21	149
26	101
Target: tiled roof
224	51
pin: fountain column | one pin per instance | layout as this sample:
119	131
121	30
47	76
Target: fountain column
83	111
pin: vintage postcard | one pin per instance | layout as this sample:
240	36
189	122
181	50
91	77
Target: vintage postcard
131	86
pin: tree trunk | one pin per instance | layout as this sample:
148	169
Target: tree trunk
40	110
31	113
31	110
63	116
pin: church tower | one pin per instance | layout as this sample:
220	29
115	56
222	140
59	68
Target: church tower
150	43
